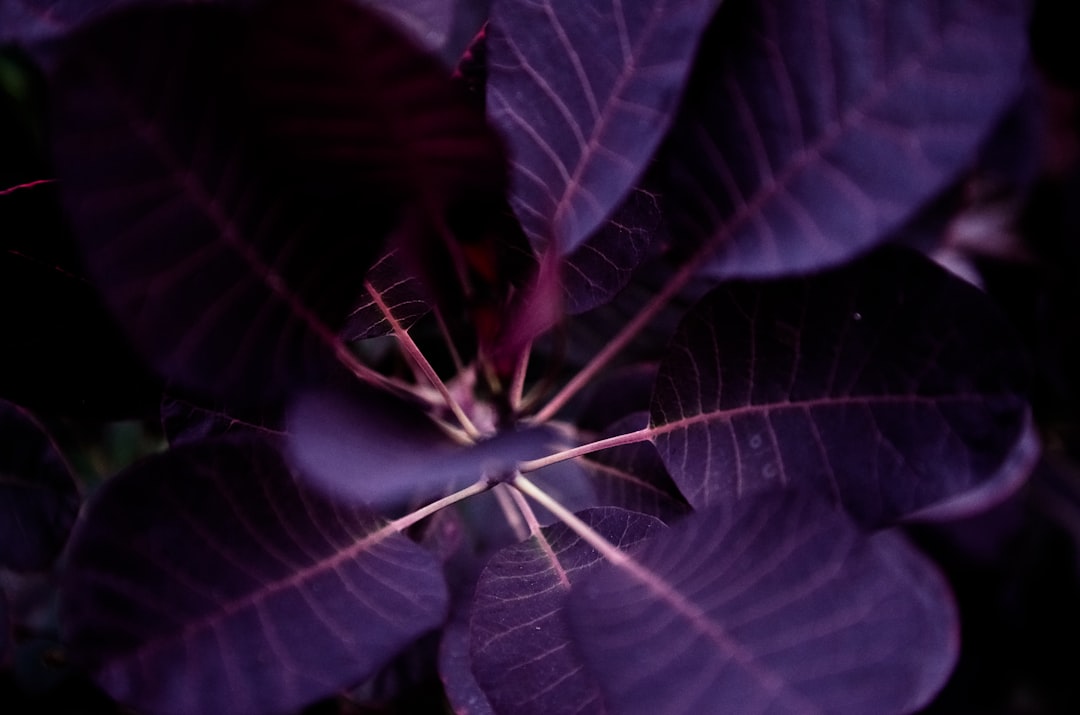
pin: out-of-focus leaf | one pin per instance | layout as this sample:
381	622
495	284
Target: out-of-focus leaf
522	652
38	496
428	21
29	21
5	630
464	694
975	214
531	313
360	111
583	92
398	289
773	604
633	476
189	420
471	69
208	580
232	175
383	451
812	131
601	266
889	384
617	394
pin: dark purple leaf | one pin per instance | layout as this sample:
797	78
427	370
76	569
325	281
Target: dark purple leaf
38	496
489	530
398	289
590	332
208	580
522	652
583	92
477	280
383	451
600	267
361	111
5	630
464	536
617	394
464	694
889	384
271	153
633	476
31	21
774	604
812	131
190	420
407	682
63	352
569	483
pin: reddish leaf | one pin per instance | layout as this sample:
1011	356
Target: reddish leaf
360	110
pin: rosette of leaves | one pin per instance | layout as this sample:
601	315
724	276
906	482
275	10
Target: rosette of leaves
340	255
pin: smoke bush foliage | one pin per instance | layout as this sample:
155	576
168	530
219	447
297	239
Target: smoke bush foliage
595	374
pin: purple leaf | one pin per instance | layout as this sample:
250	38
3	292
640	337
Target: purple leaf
633	476
398	289
583	92
464	694
384	451
522	652
774	604
271	154
601	266
590	332
889	384
812	131
569	483
428	21
208	580
38	496
189	420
